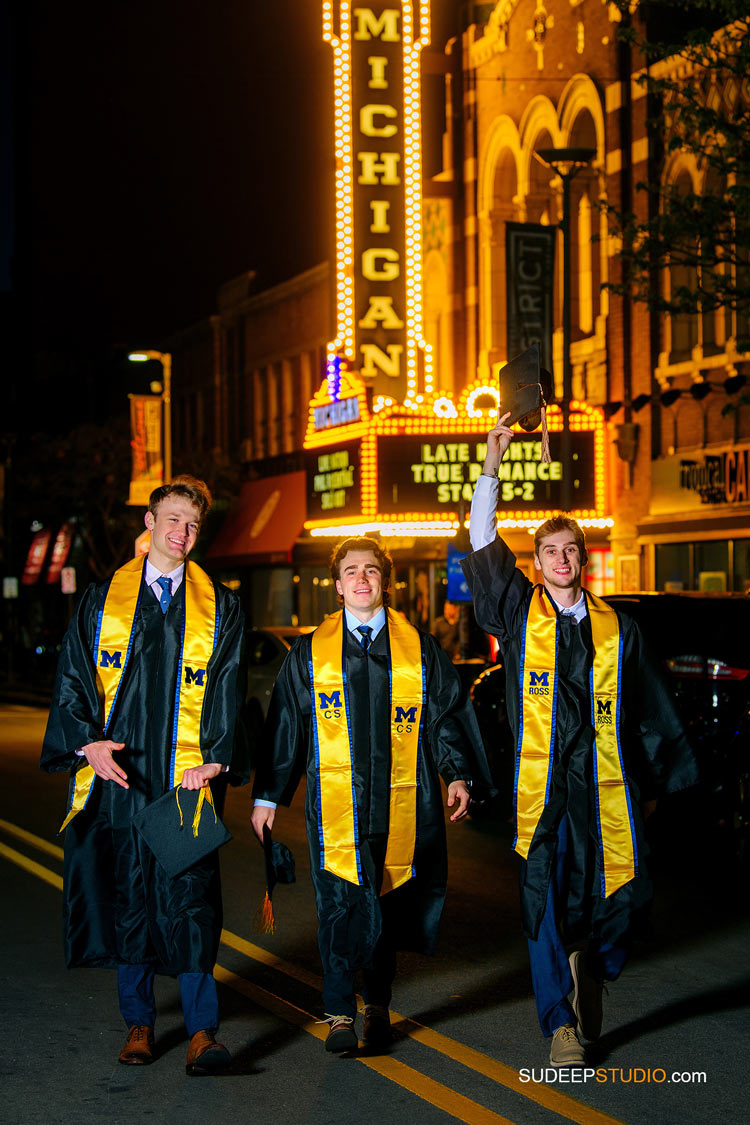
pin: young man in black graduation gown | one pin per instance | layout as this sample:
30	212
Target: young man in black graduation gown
149	687
597	738
341	691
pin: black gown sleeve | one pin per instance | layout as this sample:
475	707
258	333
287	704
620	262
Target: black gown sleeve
451	727
223	736
666	763
282	757
75	717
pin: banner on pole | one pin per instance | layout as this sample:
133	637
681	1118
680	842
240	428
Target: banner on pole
530	272
147	471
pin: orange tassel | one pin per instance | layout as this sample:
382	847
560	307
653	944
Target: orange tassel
264	920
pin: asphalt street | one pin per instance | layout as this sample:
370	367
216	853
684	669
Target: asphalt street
674	1046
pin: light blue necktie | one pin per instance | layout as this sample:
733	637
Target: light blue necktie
166	592
366	641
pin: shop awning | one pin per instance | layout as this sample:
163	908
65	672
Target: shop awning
264	523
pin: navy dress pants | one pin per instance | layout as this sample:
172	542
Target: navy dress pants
550	967
200	1002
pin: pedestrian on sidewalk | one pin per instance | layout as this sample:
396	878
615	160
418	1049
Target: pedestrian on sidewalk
149	687
371	709
597	740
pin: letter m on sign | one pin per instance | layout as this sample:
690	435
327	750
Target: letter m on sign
604	706
406	714
195	675
539	679
110	659
332	700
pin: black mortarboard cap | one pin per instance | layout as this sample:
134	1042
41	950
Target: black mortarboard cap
279	863
524	387
178	831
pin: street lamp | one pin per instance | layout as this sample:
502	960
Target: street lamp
567	162
165	359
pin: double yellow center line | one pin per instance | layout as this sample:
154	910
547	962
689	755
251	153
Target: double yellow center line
435	1093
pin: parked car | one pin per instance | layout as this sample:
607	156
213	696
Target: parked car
702	643
266	649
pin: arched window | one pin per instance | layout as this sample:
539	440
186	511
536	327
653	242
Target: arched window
503	211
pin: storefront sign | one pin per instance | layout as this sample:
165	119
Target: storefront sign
340	413
432	475
683	483
333	481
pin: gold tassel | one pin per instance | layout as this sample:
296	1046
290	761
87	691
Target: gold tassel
204	795
264	919
546	455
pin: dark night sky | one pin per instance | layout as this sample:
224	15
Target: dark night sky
166	147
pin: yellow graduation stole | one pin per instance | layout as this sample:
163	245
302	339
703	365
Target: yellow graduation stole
618	859
337	803
113	643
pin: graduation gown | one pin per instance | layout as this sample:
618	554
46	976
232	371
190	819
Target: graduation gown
351	917
656	755
119	904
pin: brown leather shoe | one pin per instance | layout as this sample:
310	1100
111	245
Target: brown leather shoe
139	1046
205	1055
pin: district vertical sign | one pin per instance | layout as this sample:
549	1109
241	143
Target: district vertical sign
529	266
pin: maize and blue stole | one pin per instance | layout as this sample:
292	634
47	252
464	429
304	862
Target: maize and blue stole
331	717
113	644
618	857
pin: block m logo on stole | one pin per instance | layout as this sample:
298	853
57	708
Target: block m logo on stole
110	659
603	715
538	683
405	714
195	676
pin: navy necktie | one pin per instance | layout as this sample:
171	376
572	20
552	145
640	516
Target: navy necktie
366	641
166	592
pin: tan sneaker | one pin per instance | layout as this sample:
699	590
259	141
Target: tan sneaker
587	998
341	1034
566	1049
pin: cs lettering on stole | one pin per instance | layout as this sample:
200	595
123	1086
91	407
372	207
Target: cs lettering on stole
538	683
330	705
604	711
110	659
194	676
404	718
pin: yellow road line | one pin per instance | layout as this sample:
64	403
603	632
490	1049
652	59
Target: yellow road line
419	1084
29	838
257	953
31	865
543	1095
546	1096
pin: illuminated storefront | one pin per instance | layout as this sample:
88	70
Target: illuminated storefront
697	533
